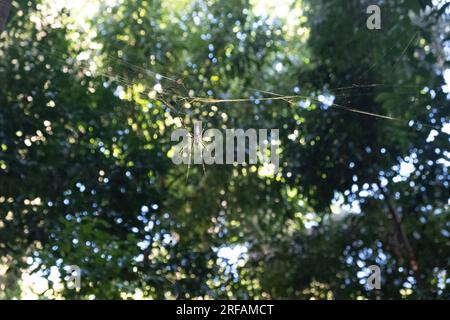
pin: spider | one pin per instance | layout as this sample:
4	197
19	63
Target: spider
195	143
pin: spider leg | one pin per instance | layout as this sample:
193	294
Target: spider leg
203	163
180	152
189	163
204	170
204	147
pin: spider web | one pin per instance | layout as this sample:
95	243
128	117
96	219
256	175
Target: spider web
175	94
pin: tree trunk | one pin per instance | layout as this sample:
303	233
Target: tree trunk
405	245
5	6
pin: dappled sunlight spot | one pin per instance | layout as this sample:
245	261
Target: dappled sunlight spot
406	168
232	257
433	134
446	128
288	10
446	75
171	152
36	285
267	170
81	13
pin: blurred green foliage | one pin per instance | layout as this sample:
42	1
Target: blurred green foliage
86	178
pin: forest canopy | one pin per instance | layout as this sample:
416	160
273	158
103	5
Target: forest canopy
90	92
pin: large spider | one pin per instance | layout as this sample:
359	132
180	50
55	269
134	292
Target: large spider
196	143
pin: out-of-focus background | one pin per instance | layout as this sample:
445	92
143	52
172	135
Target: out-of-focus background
90	92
